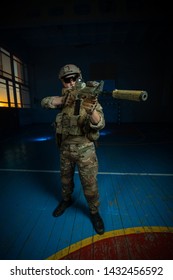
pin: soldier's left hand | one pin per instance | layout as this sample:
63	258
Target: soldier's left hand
89	104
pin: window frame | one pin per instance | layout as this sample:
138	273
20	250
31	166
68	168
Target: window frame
15	79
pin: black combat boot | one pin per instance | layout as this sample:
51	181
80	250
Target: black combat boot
59	210
97	223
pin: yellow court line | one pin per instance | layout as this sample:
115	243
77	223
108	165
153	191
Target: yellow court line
113	233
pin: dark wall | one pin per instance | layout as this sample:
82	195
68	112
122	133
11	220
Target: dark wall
146	67
143	67
9	122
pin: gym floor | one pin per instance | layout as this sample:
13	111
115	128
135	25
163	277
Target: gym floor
136	194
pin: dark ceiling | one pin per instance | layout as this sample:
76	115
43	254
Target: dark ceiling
83	23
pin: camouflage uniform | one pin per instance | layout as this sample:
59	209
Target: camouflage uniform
77	135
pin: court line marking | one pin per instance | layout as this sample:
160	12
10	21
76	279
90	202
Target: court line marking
99	173
109	234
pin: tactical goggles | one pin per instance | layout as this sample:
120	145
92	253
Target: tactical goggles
69	79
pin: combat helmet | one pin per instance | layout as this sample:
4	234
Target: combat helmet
69	69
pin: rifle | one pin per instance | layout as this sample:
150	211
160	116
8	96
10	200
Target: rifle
83	90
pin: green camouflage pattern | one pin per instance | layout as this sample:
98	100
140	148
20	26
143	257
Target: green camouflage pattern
84	156
46	103
76	135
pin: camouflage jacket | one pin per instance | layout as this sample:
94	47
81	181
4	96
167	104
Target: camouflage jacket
75	128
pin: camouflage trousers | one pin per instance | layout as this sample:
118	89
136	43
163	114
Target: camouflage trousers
84	157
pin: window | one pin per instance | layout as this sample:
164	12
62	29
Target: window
14	85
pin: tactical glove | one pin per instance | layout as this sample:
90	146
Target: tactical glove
89	104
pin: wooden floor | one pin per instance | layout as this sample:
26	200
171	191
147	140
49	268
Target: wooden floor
136	194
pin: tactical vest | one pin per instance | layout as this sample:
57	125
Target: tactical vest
76	125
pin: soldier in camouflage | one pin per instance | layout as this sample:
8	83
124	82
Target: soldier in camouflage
77	128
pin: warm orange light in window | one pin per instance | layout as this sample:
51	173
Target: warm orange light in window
3	99
13	86
3	104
